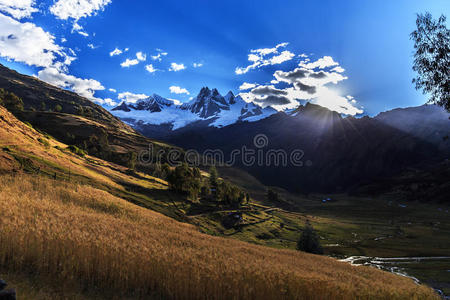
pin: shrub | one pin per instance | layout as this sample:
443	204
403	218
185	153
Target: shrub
44	142
309	241
11	101
42	106
58	108
74	149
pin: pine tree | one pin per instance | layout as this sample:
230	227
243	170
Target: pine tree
309	241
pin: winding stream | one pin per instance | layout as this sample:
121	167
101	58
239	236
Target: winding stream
433	271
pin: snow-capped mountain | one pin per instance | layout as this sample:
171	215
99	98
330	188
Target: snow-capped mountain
209	108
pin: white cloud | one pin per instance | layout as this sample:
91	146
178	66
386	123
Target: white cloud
83	87
92	46
109	101
247	86
159	56
197	65
83	33
261	58
63	40
77	9
308	82
113	90
129	62
176	67
150	68
178	90
279	59
321	63
79	29
115	52
18	9
132	62
30	44
331	100
338	69
141	56
131	97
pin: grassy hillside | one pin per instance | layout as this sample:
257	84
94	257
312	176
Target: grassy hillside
75	120
47	189
84	238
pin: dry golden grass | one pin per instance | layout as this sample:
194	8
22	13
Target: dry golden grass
23	140
77	235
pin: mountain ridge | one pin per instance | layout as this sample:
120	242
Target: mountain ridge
209	108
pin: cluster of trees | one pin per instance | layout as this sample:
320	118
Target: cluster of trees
10	101
189	181
184	180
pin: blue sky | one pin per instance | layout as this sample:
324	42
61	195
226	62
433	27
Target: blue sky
367	41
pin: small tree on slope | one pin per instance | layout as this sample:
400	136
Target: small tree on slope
309	241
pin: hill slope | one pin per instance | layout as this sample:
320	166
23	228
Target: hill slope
84	237
80	121
40	96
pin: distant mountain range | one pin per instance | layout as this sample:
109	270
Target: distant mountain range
339	152
209	108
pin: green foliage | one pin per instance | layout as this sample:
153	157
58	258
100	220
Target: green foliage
44	142
432	58
213	177
42	107
58	108
185	180
309	241
11	101
74	149
131	162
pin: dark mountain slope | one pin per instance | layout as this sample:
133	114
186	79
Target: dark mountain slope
40	96
338	152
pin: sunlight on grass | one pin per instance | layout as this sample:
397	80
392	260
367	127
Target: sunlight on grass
75	233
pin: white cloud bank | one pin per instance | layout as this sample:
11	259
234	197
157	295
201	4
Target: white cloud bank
18	9
247	86
309	81
131	97
83	87
31	45
77	9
